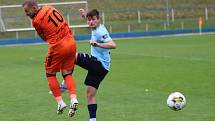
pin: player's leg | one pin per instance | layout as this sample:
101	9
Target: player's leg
67	70
52	66
63	86
92	83
70	82
91	100
96	74
55	88
71	86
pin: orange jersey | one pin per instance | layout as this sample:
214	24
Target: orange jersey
51	25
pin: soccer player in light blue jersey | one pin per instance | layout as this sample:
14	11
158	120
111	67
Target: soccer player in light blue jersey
98	63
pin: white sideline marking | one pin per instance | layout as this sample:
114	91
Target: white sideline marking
171	57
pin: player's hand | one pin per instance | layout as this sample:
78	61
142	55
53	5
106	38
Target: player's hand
82	13
94	43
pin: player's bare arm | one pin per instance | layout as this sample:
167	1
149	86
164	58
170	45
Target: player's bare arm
108	45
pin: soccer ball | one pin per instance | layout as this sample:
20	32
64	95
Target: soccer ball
176	101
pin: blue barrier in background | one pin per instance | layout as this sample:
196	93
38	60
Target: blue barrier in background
113	35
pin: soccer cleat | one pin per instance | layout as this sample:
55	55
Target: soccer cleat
73	108
60	108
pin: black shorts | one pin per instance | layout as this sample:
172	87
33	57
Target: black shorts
96	72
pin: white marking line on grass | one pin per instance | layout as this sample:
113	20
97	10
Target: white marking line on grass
17	45
171	57
39	43
163	36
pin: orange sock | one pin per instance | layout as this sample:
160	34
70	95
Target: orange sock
71	85
54	86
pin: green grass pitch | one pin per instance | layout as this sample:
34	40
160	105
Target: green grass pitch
143	73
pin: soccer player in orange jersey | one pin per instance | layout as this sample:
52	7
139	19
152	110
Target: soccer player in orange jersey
52	28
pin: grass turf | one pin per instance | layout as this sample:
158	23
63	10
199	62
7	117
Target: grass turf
143	73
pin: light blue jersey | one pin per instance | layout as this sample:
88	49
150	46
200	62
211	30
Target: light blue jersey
101	35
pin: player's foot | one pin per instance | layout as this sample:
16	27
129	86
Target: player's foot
61	107
73	107
92	119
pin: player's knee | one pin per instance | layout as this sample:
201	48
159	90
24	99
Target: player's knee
66	74
50	74
90	94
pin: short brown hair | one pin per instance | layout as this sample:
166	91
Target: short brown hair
93	12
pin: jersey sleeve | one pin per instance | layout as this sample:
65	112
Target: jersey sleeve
37	27
39	30
105	37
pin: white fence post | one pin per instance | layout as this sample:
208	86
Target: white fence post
110	29
30	22
103	17
17	35
73	31
68	19
182	25
206	13
139	16
147	27
35	34
164	26
173	15
167	12
129	28
2	28
86	6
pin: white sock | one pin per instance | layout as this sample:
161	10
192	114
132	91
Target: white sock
60	102
93	119
74	100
